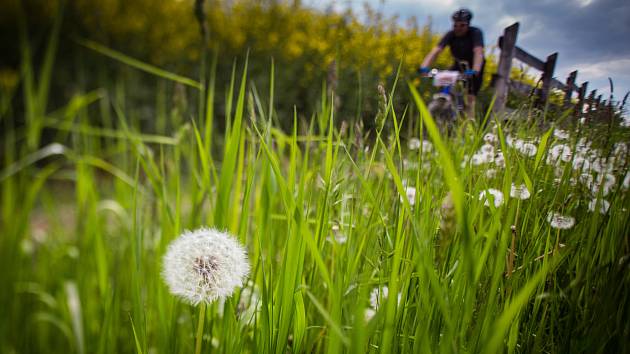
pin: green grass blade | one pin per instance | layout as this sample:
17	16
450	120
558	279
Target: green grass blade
135	63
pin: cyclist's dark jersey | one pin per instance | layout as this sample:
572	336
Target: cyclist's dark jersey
462	47
462	50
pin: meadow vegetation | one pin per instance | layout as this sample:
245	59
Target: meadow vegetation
365	231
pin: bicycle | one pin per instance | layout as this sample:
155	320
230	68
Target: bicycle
449	103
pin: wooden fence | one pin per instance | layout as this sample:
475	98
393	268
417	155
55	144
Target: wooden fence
502	82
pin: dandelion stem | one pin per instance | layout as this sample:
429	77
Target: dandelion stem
202	315
510	266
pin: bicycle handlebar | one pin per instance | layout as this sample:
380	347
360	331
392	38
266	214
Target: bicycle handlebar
436	72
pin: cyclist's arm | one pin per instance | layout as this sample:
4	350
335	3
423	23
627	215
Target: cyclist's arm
428	60
431	56
477	58
477	49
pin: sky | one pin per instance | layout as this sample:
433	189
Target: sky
591	36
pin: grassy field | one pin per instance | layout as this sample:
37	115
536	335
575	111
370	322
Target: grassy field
392	240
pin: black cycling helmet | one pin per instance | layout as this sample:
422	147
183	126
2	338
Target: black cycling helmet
462	15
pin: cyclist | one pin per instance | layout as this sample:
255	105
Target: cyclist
466	44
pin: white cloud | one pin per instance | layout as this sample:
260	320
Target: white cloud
604	68
433	6
584	3
506	21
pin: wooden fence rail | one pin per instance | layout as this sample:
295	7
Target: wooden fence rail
502	82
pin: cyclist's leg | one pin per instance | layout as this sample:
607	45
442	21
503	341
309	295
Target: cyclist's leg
474	85
459	103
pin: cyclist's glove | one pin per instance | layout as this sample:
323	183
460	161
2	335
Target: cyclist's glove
471	72
423	70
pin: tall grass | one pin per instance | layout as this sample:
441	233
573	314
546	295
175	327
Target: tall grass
328	219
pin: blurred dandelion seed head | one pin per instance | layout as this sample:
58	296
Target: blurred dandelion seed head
606	184
560	134
559	221
527	149
487	149
411	195
603	206
490	138
414	144
559	153
499	160
519	192
491	194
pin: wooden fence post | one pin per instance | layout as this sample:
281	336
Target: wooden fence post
547	75
507	44
591	100
568	90
598	101
581	97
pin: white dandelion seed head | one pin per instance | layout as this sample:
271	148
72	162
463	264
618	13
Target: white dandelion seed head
369	314
558	171
337	235
414	144
584	143
612	161
488	157
499	159
490	138
411	195
606	184
599	165
519	192
54	149
582	152
465	161
603	206
559	221
620	150
593	154
626	181
558	153
509	140
379	295
494	194
527	149
250	303
587	180
517	144
487	149
477	159
491	173
482	157
427	146
581	164
410	165
560	134
204	265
